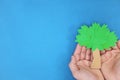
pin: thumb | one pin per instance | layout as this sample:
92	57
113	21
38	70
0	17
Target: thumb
118	44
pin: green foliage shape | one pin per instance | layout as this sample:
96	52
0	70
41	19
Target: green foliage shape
96	36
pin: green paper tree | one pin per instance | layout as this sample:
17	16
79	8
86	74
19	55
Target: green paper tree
96	36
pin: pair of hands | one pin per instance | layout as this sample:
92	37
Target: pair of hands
82	58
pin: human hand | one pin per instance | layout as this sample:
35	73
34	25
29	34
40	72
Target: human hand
111	63
80	65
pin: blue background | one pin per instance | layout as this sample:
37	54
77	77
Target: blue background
37	36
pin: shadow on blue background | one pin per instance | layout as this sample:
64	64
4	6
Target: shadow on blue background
37	36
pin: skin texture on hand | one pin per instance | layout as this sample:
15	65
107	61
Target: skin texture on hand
81	61
111	63
80	65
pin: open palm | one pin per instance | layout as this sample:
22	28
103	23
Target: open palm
111	63
80	65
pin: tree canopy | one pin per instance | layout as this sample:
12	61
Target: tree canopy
96	36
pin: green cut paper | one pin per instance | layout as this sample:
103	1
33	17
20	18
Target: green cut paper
96	37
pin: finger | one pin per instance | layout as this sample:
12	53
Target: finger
77	52
83	51
118	44
115	52
108	55
72	65
88	56
102	52
78	49
103	58
115	47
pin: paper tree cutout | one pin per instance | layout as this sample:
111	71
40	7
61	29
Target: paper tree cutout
97	38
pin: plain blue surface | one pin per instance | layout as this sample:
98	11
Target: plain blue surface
37	36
